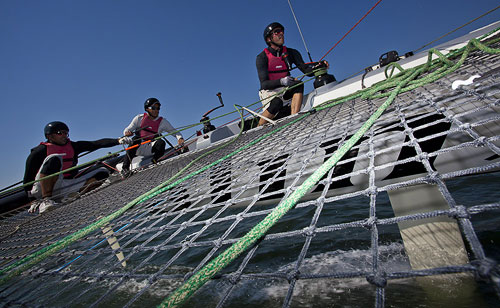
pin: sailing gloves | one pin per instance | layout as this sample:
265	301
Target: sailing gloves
125	140
288	81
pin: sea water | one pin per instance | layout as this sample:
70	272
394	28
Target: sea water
344	251
349	251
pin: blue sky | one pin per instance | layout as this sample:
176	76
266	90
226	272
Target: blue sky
93	63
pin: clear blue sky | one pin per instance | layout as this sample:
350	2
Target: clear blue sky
93	63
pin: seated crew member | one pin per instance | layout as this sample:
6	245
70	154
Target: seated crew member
56	154
147	126
273	67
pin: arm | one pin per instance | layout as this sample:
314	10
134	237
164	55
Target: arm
296	58
133	126
165	126
83	146
308	69
265	83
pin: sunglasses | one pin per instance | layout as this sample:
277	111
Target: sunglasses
154	108
61	132
277	31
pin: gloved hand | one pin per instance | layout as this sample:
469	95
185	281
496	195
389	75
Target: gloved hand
288	81
321	64
125	140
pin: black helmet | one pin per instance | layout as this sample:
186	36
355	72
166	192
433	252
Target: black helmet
54	127
150	102
271	27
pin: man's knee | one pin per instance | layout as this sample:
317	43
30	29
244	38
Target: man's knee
159	145
101	175
52	165
275	105
291	92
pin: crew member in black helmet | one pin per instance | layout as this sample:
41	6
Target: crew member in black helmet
147	126
273	67
58	153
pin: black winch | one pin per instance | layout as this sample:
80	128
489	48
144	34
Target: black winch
322	76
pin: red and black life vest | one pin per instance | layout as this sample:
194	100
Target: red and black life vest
276	66
67	149
150	127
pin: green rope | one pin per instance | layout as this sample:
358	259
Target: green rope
221	261
28	261
36	257
258	231
254	234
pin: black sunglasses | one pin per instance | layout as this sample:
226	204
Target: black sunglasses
154	108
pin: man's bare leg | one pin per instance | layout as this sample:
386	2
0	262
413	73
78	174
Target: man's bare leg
296	103
266	114
47	185
90	184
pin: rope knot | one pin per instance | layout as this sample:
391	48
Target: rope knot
468	92
465	126
481	96
320	201
423	156
369	222
370	169
309	231
292	275
218	243
442	110
234	278
239	217
459	211
433	177
377	279
485	267
371	191
480	142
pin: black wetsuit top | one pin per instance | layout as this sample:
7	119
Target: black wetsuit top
39	153
262	67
